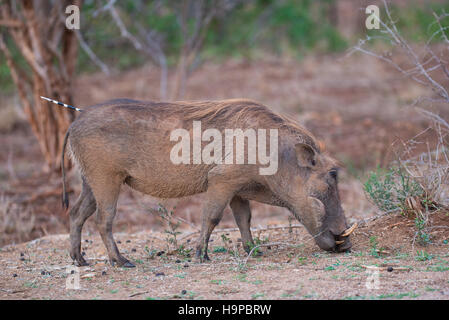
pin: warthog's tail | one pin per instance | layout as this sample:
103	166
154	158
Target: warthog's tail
61	104
65	198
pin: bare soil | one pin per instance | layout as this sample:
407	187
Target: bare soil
291	267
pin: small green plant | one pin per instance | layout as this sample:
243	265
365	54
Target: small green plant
422	235
219	250
422	255
373	244
151	252
182	251
172	227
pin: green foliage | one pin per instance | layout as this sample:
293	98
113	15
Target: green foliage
276	26
418	22
422	255
172	227
423	236
388	189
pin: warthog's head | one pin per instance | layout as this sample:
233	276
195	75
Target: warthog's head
311	181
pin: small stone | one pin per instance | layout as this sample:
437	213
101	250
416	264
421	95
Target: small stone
390	269
178	261
128	241
183	292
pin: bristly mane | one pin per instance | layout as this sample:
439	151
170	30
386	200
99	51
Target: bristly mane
245	109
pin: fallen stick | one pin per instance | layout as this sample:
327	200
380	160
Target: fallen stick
237	229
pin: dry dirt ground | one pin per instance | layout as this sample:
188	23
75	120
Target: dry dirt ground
291	267
355	105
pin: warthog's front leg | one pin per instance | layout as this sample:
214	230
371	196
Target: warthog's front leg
222	186
212	213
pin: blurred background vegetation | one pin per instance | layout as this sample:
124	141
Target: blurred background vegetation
252	28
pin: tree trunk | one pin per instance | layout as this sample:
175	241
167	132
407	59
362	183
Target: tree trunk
50	50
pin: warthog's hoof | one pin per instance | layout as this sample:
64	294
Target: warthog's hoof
81	263
79	260
201	257
128	264
123	264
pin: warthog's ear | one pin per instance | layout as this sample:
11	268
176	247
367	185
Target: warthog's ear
306	155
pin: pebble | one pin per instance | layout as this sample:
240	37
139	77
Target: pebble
128	241
389	269
178	261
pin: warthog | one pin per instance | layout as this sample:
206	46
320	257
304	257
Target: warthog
128	141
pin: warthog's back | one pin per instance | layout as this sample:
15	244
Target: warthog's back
132	138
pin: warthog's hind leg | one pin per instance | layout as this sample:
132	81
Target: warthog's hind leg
106	193
83	208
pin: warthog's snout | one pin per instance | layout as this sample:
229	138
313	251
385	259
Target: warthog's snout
337	243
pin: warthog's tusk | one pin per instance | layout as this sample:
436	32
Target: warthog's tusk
339	241
350	230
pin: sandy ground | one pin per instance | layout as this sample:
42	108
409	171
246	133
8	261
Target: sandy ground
291	267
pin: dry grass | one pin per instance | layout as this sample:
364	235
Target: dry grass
16	222
8	117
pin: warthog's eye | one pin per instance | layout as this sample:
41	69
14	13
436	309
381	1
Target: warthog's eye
334	173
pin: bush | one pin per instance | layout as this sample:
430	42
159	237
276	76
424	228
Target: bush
390	189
